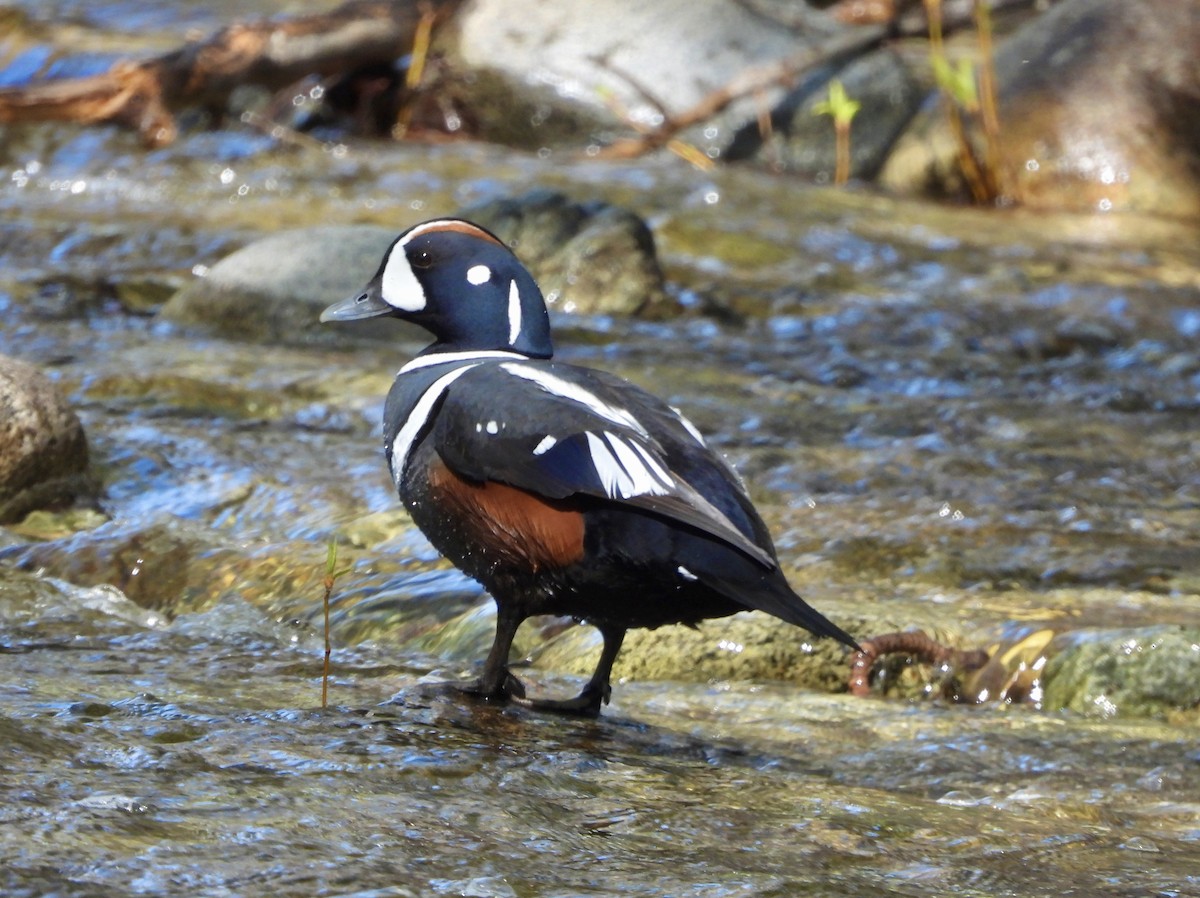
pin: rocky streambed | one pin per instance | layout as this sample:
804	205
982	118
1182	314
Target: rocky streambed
980	424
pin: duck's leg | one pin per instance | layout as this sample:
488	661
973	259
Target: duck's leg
597	690
497	683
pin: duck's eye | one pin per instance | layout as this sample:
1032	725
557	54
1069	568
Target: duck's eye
422	258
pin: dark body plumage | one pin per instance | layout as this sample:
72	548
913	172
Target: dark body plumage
562	489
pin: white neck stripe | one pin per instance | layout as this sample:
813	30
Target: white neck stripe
514	312
442	358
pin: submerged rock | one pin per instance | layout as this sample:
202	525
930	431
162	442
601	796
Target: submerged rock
43	449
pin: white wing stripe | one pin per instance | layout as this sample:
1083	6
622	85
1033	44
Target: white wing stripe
689	426
644	481
662	473
616	482
567	390
417	418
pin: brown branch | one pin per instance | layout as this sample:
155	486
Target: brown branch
920	645
747	83
272	53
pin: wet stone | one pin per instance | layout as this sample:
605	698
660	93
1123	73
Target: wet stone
803	142
1149	671
1097	106
588	258
43	449
275	288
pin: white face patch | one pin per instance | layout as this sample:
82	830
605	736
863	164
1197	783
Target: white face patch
547	443
399	286
478	274
514	312
685	573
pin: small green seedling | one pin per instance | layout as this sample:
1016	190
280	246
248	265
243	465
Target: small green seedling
842	109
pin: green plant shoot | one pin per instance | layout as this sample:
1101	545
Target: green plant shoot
842	110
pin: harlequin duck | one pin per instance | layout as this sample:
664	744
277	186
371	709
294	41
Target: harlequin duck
563	490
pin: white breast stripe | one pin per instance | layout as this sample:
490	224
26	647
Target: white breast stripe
685	573
645	483
417	418
547	443
566	390
514	312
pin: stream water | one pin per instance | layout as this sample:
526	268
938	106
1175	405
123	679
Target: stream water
984	424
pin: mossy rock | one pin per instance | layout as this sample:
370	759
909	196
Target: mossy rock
746	646
1128	673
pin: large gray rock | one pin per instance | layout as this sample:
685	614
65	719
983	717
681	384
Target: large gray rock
545	73
274	289
43	450
587	257
1099	110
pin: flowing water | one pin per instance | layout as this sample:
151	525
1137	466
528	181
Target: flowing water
984	424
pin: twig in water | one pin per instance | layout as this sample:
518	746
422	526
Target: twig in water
920	645
331	575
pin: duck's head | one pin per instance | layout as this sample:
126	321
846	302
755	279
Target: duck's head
462	284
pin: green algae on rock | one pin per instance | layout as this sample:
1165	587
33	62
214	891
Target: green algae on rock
1148	671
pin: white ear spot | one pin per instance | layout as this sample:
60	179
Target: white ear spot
514	313
479	274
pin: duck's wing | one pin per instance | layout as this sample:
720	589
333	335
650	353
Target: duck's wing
559	431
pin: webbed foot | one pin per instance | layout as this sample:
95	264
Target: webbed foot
505	688
586	704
